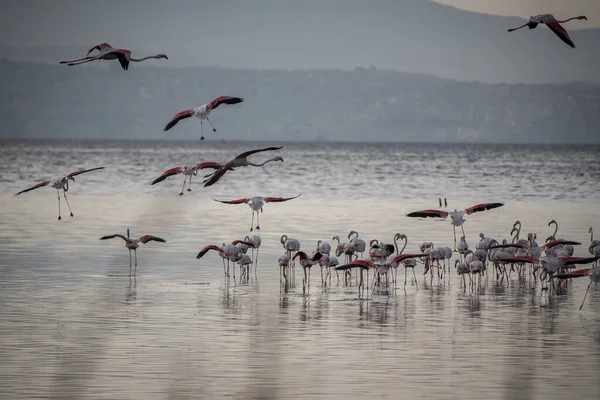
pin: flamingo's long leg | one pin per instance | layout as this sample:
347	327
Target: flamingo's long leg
81	62
67	201
211	125
189	185
183	187
135	256
58	196
129	262
201	130
252	222
586	292
77	60
256	260
415	276
257	221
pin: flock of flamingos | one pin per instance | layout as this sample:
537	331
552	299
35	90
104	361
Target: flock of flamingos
551	262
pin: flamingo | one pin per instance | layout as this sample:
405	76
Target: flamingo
256	204
363	265
323	247
551	23
306	262
133	244
256	241
187	170
107	52
457	217
592	273
58	183
229	252
202	112
241	160
284	262
359	244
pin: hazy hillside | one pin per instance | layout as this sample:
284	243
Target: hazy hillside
406	35
40	100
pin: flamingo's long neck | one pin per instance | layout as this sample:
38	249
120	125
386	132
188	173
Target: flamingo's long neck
260	165
142	59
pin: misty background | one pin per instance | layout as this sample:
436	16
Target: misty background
386	70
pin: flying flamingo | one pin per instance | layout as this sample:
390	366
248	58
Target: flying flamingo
58	183
187	170
241	160
456	217
133	244
202	112
551	23
256	204
107	52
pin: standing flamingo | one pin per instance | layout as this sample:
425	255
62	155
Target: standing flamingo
230	252
58	183
457	217
551	23
307	262
202	112
592	273
256	241
241	160
133	244
256	204
187	170
107	52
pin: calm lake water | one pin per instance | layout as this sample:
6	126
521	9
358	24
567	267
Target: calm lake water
68	329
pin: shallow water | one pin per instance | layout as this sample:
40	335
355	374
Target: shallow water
70	329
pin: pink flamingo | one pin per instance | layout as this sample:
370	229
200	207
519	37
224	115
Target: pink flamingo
306	262
133	244
456	216
553	24
187	170
241	160
58	183
202	112
107	52
256	204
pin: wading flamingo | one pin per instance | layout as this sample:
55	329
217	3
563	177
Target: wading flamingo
307	262
256	241
230	252
187	170
107	52
241	160
133	244
592	273
58	183
551	23
256	204
202	112
456	216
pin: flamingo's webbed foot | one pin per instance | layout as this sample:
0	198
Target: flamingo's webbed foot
181	194
71	214
201	137
214	129
189	190
59	217
257	228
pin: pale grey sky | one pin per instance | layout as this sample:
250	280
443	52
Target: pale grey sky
561	9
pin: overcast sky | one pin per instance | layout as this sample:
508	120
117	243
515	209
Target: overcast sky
561	9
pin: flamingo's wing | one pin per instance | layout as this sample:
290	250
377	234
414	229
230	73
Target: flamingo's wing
166	174
39	185
559	241
149	238
224	100
238	201
482	207
113	236
579	260
250	152
402	257
364	264
100	47
206	249
83	171
249	244
428	213
208	164
279	199
178	117
123	57
524	259
578	273
559	31
215	176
